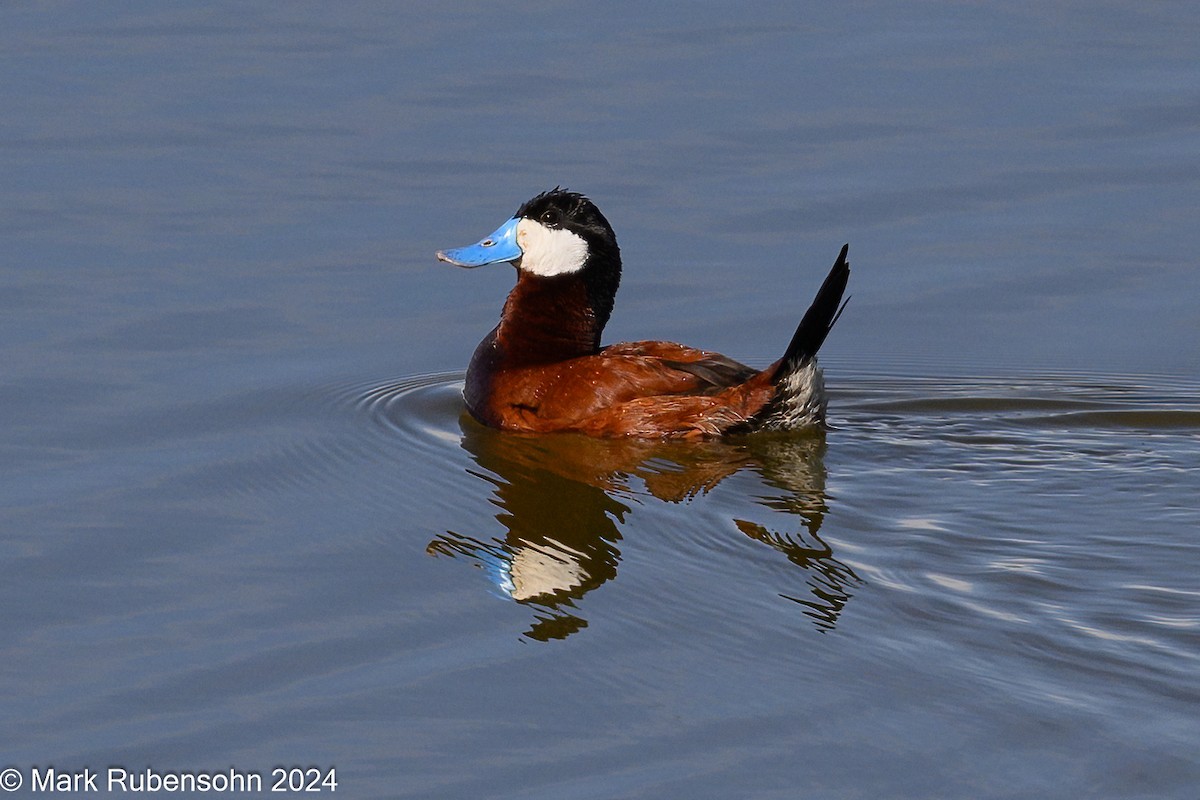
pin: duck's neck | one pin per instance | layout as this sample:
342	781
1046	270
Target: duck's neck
545	321
550	319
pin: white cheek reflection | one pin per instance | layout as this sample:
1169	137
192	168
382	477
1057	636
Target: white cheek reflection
547	251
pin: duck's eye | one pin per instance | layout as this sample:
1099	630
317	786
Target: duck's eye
550	218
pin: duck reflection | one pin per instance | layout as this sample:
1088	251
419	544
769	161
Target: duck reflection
562	499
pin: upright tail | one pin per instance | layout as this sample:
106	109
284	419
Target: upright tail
826	307
799	399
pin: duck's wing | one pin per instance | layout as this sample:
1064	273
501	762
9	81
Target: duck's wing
682	415
644	389
661	389
713	370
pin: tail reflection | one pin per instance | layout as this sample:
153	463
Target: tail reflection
561	503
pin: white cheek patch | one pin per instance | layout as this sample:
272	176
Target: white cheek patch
549	251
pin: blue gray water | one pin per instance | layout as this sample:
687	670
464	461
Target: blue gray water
244	523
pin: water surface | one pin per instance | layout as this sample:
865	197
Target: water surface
244	521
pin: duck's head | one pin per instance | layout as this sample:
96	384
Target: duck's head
556	233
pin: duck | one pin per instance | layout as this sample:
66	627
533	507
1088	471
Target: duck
542	368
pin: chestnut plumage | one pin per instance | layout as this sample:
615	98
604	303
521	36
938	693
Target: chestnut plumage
542	368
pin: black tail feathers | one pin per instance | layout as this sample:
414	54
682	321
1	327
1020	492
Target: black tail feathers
826	307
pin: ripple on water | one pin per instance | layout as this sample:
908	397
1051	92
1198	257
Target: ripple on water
324	437
1005	516
1012	516
422	410
1031	533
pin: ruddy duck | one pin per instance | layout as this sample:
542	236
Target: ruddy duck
542	368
